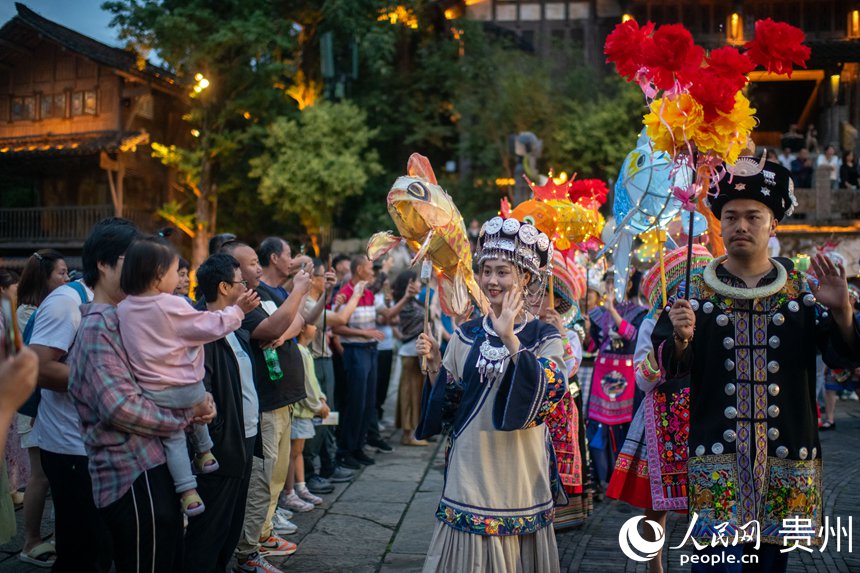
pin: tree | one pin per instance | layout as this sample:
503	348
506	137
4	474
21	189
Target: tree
231	54
595	133
312	164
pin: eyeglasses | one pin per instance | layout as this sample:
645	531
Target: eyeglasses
243	283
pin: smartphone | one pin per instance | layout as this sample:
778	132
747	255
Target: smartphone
11	335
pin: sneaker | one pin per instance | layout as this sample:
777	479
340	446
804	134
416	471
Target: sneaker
341	475
294	503
318	484
363	458
281	524
255	563
307	496
381	445
348	461
276	546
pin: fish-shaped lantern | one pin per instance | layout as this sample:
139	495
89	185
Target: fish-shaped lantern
643	201
431	225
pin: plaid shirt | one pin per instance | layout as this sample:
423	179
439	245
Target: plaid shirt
122	429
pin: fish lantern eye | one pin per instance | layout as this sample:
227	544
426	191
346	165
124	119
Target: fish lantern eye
641	161
418	190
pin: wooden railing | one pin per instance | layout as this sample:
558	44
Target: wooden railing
58	225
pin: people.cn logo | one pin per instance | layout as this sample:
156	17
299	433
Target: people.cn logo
634	546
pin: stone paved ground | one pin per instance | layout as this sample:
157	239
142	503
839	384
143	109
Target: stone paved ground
382	522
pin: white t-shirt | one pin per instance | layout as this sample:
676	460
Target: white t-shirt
250	402
58	427
834	163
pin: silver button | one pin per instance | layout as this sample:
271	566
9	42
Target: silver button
772	434
808	300
729	435
778	319
814	453
793	306
728	342
773	389
700	451
824	314
803	453
730	389
717	448
773	411
694	304
782	452
722	320
729	364
708	307
731	412
773	366
773	342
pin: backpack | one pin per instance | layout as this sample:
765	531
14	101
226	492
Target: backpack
31	406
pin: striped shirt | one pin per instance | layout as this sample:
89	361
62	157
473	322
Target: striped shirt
122	429
363	318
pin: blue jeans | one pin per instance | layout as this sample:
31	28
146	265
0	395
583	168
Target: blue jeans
357	408
770	560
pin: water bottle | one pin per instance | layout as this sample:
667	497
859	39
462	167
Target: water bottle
273	364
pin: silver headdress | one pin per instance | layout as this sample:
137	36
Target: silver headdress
519	243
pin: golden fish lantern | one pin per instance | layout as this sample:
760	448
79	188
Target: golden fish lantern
537	213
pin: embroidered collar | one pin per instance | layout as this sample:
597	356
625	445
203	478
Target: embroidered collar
744	293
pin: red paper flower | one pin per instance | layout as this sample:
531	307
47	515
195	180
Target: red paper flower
713	92
671	52
778	47
590	193
730	64
623	47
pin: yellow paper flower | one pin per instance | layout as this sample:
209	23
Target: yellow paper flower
727	136
672	121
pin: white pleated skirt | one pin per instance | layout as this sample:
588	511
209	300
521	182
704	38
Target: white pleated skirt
452	550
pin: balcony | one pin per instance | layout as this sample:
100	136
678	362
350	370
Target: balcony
59	227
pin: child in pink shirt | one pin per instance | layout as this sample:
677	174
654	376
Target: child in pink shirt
164	337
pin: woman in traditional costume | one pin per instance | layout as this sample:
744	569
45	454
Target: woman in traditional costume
614	329
651	470
501	376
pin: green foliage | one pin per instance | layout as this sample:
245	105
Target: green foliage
450	90
312	164
594	134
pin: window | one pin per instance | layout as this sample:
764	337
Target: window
60	105
46	106
90	103
23	108
78	103
84	103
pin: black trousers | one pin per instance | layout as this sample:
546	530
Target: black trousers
146	524
211	537
82	541
383	379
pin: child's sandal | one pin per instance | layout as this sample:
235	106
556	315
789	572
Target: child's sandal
187	500
206	463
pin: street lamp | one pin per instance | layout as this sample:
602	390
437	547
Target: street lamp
201	83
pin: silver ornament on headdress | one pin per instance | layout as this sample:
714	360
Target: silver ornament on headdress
747	166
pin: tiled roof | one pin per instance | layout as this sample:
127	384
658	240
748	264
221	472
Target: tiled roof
19	31
53	145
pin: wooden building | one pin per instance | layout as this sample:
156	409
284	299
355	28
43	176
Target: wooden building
76	120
